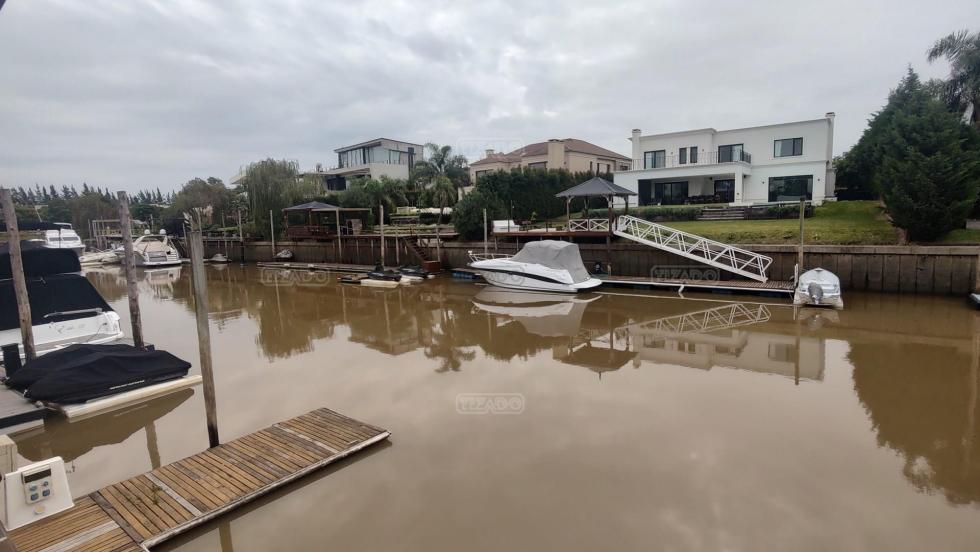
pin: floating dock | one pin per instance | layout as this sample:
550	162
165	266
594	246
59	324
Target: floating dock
16	410
323	267
148	509
752	287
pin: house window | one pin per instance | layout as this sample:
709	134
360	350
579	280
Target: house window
682	156
540	166
624	167
694	154
790	188
725	190
481	173
654	159
788	147
729	153
590	168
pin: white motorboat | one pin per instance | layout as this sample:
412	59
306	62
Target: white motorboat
65	308
64	237
219	258
152	250
545	265
818	288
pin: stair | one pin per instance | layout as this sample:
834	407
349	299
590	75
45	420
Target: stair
710	252
723	213
412	245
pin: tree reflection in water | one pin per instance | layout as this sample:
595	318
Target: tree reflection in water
922	402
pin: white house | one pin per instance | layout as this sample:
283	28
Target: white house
764	164
372	159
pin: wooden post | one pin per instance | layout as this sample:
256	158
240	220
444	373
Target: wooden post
129	268
199	279
568	215
799	253
272	228
17	272
609	203
381	211
485	234
241	237
340	248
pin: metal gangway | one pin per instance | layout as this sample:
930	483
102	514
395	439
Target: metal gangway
710	252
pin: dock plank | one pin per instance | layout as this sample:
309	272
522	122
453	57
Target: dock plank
147	509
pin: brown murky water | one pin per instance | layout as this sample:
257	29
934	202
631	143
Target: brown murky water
646	422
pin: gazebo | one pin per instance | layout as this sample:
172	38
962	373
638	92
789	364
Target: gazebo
595	187
316	228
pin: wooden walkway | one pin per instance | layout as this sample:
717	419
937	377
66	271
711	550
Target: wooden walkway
148	509
728	286
325	267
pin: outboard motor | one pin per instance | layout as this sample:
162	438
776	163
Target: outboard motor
815	291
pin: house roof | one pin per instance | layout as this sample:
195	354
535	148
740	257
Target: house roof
312	205
541	148
595	187
377	141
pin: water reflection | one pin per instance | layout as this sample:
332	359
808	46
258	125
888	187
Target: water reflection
70	440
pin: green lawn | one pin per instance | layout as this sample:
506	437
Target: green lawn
964	236
839	223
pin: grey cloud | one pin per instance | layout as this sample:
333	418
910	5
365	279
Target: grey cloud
131	94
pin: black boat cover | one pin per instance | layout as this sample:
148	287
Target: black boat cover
61	293
79	373
39	260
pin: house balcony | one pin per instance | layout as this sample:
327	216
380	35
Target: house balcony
704	159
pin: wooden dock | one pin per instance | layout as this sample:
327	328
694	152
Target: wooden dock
148	509
321	267
16	410
752	287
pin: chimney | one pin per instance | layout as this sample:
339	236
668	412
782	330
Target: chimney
489	152
556	154
637	150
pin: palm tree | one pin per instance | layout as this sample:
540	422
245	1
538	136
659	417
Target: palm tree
385	192
961	91
441	193
441	162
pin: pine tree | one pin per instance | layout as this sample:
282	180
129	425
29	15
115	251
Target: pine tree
53	191
930	164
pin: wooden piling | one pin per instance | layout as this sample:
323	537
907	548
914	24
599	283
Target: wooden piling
17	273
199	280
799	252
381	211
129	268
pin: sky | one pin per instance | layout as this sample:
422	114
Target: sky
140	94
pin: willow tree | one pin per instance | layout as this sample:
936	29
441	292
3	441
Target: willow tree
272	185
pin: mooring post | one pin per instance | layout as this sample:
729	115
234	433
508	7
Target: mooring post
241	237
272	230
486	245
381	211
129	268
799	253
17	273
199	280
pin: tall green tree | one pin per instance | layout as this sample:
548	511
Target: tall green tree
373	193
440	161
930	164
961	91
272	185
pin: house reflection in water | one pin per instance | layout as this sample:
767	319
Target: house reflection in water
716	336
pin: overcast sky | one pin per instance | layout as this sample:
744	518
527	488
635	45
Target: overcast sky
150	93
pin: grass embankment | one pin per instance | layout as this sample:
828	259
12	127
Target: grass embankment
965	236
834	223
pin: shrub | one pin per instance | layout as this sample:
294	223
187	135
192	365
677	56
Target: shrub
468	213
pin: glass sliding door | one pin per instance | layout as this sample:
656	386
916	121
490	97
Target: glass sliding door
790	188
727	154
670	193
725	190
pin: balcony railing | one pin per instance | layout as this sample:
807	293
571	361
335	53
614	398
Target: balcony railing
703	158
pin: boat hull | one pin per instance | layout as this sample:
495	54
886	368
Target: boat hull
52	336
526	281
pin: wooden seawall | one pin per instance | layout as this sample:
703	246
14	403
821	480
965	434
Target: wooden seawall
148	509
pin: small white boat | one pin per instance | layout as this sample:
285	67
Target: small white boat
975	297
63	238
219	258
284	255
818	288
371	282
545	265
152	250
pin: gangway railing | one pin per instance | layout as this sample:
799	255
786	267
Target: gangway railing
710	320
714	253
